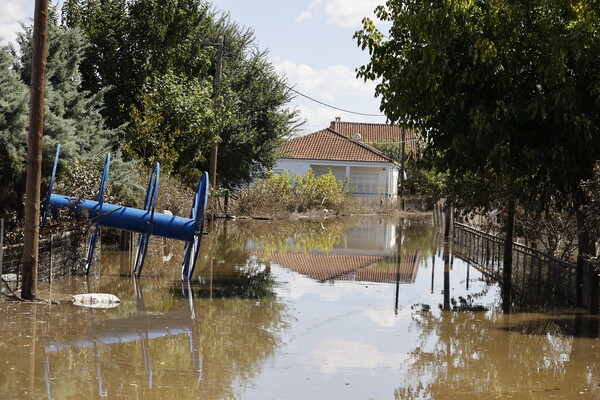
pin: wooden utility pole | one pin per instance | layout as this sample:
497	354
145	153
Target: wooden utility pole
214	153
34	151
402	170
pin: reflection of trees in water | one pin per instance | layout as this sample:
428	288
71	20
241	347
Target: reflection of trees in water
213	355
304	236
295	236
232	339
240	336
248	281
471	354
417	236
163	258
226	268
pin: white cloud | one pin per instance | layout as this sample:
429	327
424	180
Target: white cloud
303	16
332	355
343	13
11	12
14	11
335	85
349	13
8	33
305	287
316	117
327	84
385	317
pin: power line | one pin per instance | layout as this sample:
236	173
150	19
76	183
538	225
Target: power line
249	63
330	106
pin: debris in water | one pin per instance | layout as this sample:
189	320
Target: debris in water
96	300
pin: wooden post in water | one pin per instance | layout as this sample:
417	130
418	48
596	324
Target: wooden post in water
402	170
579	282
594	304
446	276
508	256
214	154
1	246
399	234
448	220
34	151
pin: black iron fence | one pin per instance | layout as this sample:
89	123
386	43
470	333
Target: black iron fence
538	279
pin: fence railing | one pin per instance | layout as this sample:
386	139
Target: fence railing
589	276
60	254
537	278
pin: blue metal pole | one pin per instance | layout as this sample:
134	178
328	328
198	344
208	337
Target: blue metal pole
130	219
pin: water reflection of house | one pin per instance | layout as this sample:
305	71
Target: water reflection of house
367	252
350	267
371	239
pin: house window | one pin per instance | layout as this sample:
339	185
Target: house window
364	183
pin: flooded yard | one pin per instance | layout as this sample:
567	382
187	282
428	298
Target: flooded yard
341	309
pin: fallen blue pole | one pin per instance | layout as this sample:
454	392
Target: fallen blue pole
129	219
145	222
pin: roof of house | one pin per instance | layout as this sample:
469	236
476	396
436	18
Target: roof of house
328	144
375	133
329	267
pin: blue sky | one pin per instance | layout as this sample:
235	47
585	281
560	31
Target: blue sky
310	41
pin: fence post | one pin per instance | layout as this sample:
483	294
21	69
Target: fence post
593	306
448	220
579	282
1	246
51	256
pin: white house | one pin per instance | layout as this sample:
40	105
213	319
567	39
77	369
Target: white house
370	172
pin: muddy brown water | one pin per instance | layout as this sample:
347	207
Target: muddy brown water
341	309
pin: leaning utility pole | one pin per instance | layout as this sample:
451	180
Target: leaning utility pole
216	95
34	151
402	156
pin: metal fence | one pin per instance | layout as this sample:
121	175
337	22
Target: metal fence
537	278
60	254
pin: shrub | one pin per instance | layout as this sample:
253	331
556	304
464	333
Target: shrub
277	193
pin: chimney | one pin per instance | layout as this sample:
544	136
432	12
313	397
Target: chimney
335	123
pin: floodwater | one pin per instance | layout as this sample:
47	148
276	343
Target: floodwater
341	309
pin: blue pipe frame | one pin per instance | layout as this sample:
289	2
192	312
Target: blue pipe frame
145	222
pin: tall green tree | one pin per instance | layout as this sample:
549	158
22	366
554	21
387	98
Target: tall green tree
255	98
131	41
510	86
505	93
72	117
14	109
157	61
170	125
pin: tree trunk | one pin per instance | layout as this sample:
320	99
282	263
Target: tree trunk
585	244
508	261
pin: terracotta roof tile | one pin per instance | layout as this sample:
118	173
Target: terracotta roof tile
388	272
375	133
365	268
327	144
